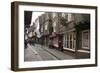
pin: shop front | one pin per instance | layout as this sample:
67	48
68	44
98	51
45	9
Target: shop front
57	41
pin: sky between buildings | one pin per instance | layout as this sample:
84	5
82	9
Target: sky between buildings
35	15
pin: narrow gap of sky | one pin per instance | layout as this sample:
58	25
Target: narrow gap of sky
35	16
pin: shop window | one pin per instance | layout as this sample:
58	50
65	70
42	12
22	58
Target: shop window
85	39
69	41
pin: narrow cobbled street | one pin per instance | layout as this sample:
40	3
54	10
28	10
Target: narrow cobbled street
42	53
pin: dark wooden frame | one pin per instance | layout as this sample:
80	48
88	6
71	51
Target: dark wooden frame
14	35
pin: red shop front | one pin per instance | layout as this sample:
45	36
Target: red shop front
56	40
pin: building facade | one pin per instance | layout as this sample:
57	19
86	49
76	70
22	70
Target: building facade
67	31
77	35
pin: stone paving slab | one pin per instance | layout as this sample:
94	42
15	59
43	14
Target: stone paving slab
30	55
42	53
36	53
58	54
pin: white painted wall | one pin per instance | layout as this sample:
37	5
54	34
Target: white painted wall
5	36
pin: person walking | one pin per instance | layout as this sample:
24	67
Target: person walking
26	40
41	44
50	43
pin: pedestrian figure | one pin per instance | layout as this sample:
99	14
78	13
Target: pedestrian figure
60	45
33	43
41	44
50	43
26	41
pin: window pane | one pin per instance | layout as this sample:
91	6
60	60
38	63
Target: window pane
85	38
67	44
71	44
85	35
70	37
